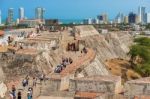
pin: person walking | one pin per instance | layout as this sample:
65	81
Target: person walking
19	95
27	80
41	78
24	83
10	95
30	92
34	81
14	91
28	95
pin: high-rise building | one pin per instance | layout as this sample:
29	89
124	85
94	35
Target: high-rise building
119	18
95	21
0	18
137	20
141	12
10	18
132	18
87	21
39	13
103	18
126	21
147	17
21	13
100	17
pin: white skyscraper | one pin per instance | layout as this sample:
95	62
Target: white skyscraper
0	18
141	12
39	13
147	17
21	13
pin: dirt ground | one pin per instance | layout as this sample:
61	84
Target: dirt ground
122	68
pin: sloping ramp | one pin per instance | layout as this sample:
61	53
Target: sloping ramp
86	30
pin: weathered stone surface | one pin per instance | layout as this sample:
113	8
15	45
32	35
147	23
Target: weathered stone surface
3	90
112	45
138	87
99	84
1	75
95	68
86	30
54	97
109	46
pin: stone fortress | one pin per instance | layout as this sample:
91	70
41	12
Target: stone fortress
86	78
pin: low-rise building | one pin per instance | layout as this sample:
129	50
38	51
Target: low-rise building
30	22
147	33
49	22
87	21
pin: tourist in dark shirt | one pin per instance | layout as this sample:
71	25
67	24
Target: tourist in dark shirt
19	95
14	91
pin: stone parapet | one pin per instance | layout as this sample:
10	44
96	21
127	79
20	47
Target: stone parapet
138	87
99	84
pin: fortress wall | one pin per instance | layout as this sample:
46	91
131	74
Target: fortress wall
137	88
95	85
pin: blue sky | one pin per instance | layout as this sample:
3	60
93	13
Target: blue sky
73	9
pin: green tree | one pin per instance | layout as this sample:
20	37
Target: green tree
141	49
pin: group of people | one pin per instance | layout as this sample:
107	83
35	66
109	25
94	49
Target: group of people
64	63
39	28
25	83
13	93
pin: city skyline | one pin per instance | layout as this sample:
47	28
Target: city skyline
71	9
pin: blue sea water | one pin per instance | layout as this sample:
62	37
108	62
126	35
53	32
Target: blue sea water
68	21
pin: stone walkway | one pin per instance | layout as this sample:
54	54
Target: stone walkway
88	57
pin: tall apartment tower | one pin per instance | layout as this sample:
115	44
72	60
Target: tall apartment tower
10	18
126	20
103	18
39	13
132	18
0	18
21	13
137	19
141	12
147	18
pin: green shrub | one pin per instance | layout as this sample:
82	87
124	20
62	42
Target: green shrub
141	49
